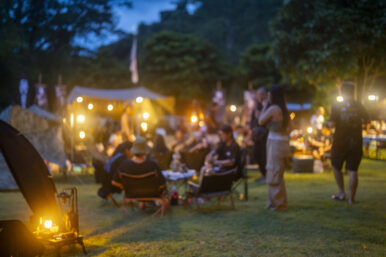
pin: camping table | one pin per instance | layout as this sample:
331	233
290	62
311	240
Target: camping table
179	178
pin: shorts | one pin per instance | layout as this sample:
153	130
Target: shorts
352	157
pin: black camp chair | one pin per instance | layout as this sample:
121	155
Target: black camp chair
163	159
241	176
143	188
194	160
213	185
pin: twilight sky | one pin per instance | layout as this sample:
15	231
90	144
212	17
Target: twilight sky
128	19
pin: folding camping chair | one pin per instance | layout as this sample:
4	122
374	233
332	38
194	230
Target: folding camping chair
163	159
143	188
241	175
194	160
213	185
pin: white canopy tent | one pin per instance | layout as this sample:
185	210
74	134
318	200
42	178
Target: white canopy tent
129	94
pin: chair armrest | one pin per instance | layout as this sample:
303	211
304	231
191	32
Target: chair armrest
192	184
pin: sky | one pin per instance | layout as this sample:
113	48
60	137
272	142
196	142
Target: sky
147	11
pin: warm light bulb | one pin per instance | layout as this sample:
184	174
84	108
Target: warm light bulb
309	130
194	119
90	106
145	115
110	107
139	99
339	98
82	134
79	99
292	115
233	108
372	97
48	224
144	126
80	118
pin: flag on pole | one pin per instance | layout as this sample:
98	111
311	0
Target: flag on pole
133	62
23	90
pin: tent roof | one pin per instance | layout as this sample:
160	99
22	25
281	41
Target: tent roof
113	94
43	113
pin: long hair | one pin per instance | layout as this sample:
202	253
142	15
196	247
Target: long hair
159	144
278	98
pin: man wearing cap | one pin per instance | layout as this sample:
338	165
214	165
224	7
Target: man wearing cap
140	164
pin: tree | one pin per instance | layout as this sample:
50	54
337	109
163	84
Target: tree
324	42
258	65
230	25
182	65
39	36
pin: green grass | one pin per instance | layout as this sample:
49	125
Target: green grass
314	225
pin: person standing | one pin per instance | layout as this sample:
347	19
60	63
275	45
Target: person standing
317	120
347	117
259	135
275	117
127	125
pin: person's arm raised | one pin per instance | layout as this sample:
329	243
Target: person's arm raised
266	115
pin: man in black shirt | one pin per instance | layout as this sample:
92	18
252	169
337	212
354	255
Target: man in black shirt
140	164
348	117
227	153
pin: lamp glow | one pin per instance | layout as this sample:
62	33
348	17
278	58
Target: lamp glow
139	99
79	99
372	97
194	118
144	126
339	98
90	106
80	118
233	108
292	115
146	115
309	130
48	224
72	120
82	134
110	107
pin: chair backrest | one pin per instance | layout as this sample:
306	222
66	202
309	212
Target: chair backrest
194	160
217	182
141	186
163	159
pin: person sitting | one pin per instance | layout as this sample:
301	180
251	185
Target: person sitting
159	145
122	152
182	141
226	154
140	164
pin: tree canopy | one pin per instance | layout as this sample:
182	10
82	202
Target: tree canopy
323	42
182	65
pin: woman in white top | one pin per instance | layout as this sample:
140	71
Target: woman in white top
275	116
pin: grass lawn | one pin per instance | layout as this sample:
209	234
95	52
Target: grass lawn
314	225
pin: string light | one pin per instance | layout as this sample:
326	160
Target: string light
90	106
144	126
79	99
139	99
146	115
233	108
110	107
82	134
194	118
80	118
